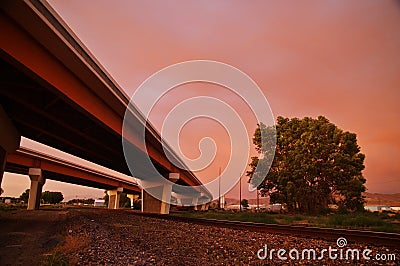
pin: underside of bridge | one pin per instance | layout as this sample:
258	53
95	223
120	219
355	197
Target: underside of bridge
41	113
57	169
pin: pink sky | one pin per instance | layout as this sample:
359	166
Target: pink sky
340	59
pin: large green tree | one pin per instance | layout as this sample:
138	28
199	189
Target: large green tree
52	197
245	203
25	196
315	164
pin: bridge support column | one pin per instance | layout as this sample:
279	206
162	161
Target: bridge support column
113	198
195	201
203	202
35	192
188	200
132	198
179	202
204	207
9	141
153	205
3	160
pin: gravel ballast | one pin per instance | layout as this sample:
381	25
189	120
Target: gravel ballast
119	237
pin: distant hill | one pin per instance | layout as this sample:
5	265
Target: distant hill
382	199
371	199
230	201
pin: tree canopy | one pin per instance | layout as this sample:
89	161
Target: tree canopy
47	197
315	164
245	203
52	197
83	201
25	196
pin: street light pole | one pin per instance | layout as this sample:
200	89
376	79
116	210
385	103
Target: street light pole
219	189
240	193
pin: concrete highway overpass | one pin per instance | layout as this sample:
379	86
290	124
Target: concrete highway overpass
52	90
40	167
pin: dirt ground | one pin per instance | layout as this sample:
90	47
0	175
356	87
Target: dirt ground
89	236
26	236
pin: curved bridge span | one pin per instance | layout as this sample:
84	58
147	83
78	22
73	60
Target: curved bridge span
53	90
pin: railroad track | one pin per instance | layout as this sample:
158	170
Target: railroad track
332	234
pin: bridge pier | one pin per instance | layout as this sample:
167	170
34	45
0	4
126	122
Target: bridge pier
186	200
204	203
9	141
204	207
35	192
197	201
153	205
132	197
114	197
3	160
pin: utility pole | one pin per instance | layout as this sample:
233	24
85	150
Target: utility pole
240	193
219	188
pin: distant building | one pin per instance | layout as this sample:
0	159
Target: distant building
232	207
396	209
10	200
99	203
263	207
377	208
